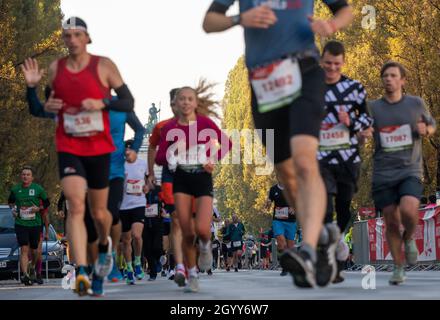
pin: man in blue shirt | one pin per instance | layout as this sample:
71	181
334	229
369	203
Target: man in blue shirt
288	90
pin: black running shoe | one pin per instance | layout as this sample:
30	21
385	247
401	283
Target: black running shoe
326	267
300	266
236	270
284	273
26	280
39	279
339	274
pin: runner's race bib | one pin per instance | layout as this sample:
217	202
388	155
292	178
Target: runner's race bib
135	186
215	246
84	123
334	137
228	245
277	84
152	210
282	213
26	213
396	138
237	244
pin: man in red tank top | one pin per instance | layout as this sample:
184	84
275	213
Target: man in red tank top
80	87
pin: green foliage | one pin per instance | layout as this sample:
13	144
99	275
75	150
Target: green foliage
28	28
239	189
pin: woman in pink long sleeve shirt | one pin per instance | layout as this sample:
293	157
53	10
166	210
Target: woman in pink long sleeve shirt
191	144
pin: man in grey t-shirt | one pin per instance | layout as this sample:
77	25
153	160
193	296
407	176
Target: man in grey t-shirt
400	123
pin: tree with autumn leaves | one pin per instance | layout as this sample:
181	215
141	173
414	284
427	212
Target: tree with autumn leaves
29	28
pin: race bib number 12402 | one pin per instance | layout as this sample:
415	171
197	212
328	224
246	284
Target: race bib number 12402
277	84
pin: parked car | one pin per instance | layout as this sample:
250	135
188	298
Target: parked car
10	251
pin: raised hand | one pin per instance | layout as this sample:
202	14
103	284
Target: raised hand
31	72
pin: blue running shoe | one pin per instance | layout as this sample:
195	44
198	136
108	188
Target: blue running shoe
130	277
138	272
115	275
97	286
104	264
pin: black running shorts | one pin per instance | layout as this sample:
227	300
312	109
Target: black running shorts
95	170
194	184
302	117
346	174
28	236
390	193
132	216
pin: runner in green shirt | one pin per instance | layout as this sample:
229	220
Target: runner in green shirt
24	200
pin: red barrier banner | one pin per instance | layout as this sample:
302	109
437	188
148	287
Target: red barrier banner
427	237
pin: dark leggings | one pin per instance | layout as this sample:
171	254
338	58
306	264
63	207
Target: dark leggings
215	256
153	248
342	203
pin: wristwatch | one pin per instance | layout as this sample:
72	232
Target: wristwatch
236	20
106	102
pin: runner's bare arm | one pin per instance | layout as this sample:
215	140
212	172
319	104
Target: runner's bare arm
268	204
427	118
52	72
259	17
343	16
151	157
111	77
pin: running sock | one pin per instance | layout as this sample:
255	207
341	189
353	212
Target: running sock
172	262
205	245
82	270
120	260
192	272
103	248
180	266
129	266
137	260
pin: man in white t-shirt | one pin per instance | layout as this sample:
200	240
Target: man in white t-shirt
132	214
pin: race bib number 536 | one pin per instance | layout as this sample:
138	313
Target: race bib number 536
277	84
83	123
